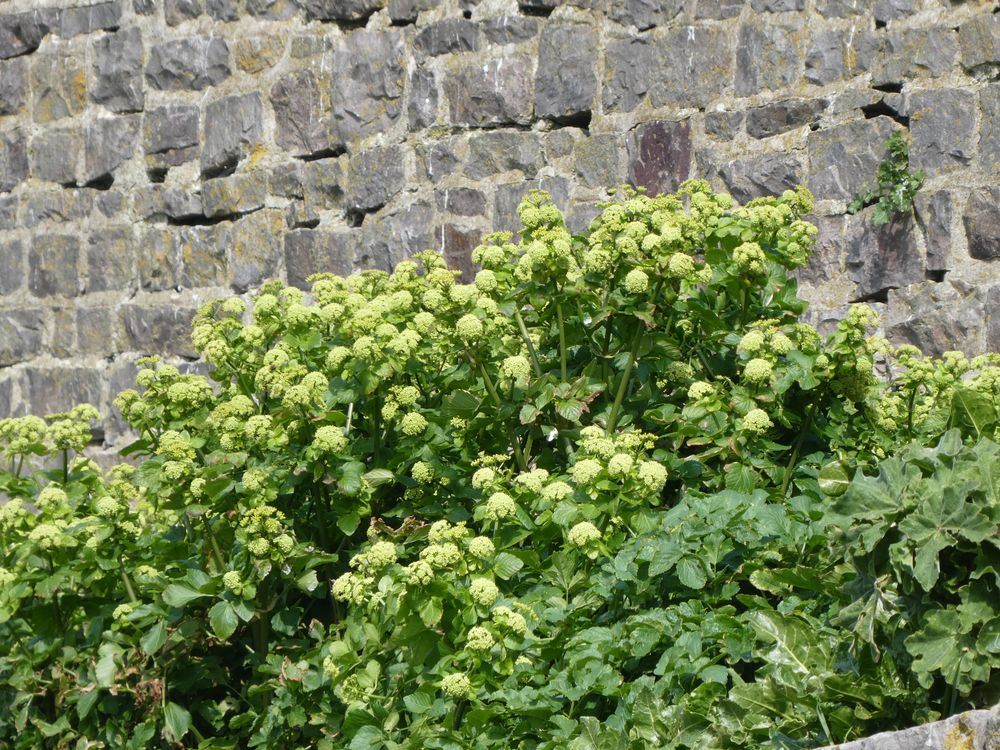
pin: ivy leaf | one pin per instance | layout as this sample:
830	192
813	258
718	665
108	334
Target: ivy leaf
223	619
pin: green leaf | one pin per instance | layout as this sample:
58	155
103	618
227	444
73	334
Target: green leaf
430	611
375	477
740	478
223	619
350	478
691	572
307	581
154	638
286	621
505	565
460	403
973	411
106	669
571	410
833	479
176	595
348	523
177	721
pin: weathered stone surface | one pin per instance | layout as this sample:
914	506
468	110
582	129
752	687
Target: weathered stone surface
843	159
450	35
599	160
767	57
768	174
375	176
340	10
301	214
117	71
827	259
456	244
718	9
222	10
158	329
84	20
942	130
982	223
111	260
233	129
275	10
53	390
110	142
509	196
841	8
58	87
309	251
8	212
406	11
989	128
58	206
502	151
566	81
191	64
936	317
204	254
237	194
98	331
659	155
257	240
777	6
178	11
7	397
888	10
54	154
645	14
883	257
491	91
979	40
325	181
21	335
258	53
170	134
367	90
145	7
461	201
11	264
395	236
13	86
156	258
934	215
692	66
509	29
780	117
915	53
839	54
109	202
437	159
724	125
156	202
299	113
423	104
21	33
52	265
560	142
627	64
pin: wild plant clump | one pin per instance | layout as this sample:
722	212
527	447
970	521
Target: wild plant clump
601	497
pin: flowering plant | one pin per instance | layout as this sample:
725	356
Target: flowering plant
585	501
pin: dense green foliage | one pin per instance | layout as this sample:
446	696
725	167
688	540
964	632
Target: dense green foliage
897	185
612	495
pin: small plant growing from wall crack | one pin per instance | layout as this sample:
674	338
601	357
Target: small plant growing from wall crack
897	185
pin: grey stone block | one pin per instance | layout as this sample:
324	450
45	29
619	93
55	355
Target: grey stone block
915	53
154	202
22	334
11	264
509	29
693	66
52	265
724	125
942	129
599	161
490	91
340	10
456	244
979	41
299	113
13	86
375	176
450	35
659	155
237	194
883	257
257	247
934	214
204	252
117	71
843	159
759	176
256	54
366	95
21	33
437	159
395	236
309	251
54	155
780	117
982	223
406	11
57	89
111	260
325	181
191	64
989	128
461	201
170	134
89	18
838	54
767	58
179	11
718	9
503	151
566	79
98	331
628	66
222	10
54	390
423	102
645	14
233	128
936	317
109	143
158	329
8	212
57	206
156	259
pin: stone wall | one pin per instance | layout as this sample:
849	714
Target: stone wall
158	153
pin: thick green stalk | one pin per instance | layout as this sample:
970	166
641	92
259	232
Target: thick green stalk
527	342
624	382
562	342
793	460
125	579
518	456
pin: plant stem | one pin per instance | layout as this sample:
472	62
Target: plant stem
518	456
65	462
215	544
626	376
527	342
787	480
562	341
125	579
